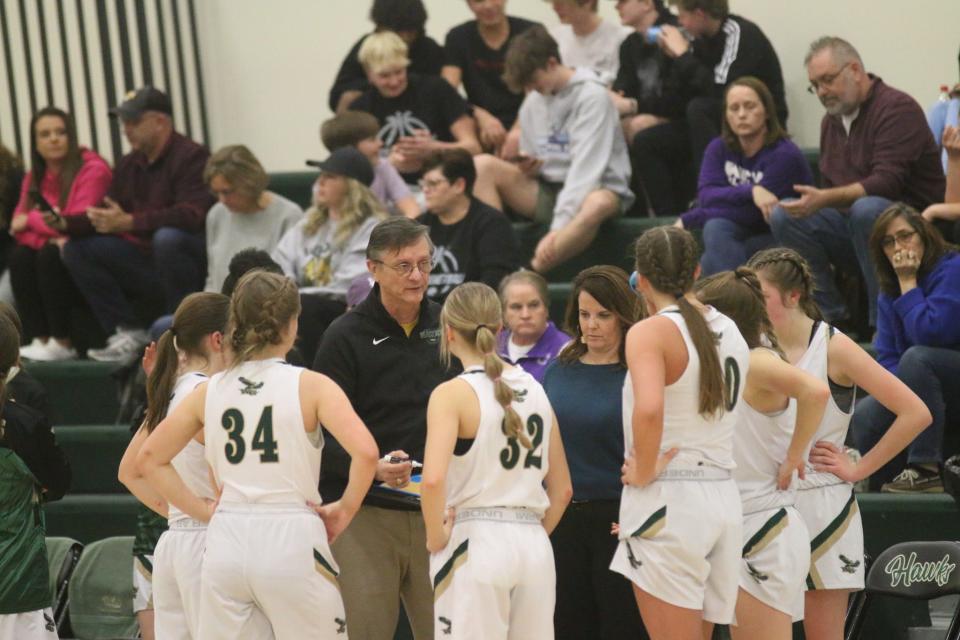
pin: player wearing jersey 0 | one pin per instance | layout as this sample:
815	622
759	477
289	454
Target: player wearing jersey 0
825	497
187	353
266	548
33	470
782	407
680	516
492	445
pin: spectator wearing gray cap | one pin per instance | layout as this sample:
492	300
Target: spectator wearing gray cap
326	250
148	235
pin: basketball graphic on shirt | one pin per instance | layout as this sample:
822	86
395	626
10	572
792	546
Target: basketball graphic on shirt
399	125
446	273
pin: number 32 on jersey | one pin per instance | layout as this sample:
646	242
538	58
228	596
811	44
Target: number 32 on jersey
510	455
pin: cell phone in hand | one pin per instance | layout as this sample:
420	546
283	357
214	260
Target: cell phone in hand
43	205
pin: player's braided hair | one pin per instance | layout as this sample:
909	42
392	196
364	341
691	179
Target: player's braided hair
737	295
473	310
261	308
786	270
668	258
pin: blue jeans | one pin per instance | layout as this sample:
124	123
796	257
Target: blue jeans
109	271
728	245
180	258
830	237
933	374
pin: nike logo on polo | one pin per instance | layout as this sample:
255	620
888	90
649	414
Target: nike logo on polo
376	342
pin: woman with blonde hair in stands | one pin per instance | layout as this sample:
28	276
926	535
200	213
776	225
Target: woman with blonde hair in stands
266	549
187	354
326	250
495	483
680	516
782	407
825	497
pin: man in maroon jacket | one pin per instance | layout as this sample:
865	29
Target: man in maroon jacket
148	235
875	149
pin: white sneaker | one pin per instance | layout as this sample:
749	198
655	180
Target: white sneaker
125	346
35	350
54	351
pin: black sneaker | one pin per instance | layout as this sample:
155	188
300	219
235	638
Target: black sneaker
915	480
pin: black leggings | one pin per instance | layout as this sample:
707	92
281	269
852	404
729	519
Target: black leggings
593	602
44	291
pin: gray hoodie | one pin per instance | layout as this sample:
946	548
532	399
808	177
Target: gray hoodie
577	135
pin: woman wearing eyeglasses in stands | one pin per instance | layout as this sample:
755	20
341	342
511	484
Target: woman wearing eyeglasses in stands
918	340
326	250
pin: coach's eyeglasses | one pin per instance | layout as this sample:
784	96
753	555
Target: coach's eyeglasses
406	268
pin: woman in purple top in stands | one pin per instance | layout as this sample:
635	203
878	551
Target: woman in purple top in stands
918	340
528	338
745	173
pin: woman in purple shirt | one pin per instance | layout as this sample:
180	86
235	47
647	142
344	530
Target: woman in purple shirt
745	173
528	340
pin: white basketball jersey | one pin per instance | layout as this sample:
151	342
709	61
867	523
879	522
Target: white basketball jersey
255	437
699	439
836	421
190	463
760	443
499	471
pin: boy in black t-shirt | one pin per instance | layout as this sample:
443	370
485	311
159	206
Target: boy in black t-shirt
476	51
419	115
407	19
472	241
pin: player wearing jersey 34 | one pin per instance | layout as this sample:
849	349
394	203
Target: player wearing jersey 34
492	445
266	548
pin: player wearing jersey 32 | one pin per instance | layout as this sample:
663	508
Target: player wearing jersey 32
680	515
266	548
782	407
492	444
825	497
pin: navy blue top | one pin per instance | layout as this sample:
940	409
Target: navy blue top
588	402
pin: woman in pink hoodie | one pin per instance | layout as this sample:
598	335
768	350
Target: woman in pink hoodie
67	179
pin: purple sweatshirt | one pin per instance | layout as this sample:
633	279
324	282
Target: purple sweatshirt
540	355
926	315
727	179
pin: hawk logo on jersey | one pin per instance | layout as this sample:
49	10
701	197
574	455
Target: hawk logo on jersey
758	576
447	625
250	388
849	566
634	563
341	625
519	395
48	623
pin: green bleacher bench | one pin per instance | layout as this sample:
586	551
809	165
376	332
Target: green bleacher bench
89	517
94	452
80	391
294	185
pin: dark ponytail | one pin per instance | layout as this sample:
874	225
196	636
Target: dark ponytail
668	258
199	315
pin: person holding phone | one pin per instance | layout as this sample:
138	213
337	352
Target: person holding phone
64	180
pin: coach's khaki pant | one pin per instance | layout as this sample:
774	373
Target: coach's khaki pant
383	559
